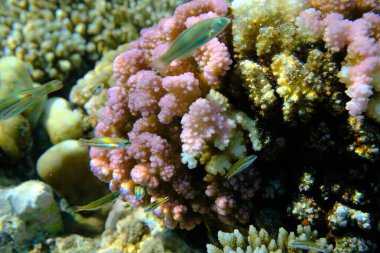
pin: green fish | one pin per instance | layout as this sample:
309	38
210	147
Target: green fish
106	142
192	38
139	192
240	165
99	203
20	101
156	204
306	245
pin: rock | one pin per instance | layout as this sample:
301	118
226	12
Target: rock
66	168
15	136
60	122
14	76
28	213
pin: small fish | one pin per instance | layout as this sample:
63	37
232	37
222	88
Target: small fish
240	165
97	89
106	142
306	245
99	203
19	101
192	38
11	106
139	192
156	204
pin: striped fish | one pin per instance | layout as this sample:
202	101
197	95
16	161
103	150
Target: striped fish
156	204
99	203
240	165
20	101
106	142
307	245
192	38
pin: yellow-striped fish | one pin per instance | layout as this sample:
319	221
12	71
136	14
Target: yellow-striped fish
192	38
19	101
99	203
139	192
240	165
106	142
307	245
156	204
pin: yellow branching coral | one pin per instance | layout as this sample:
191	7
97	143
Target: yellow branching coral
295	83
250	16
260	90
260	241
277	60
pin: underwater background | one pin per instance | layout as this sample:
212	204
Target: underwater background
144	126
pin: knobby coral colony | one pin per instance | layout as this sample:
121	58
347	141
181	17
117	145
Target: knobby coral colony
175	119
178	121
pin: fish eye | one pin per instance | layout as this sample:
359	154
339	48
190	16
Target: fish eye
216	26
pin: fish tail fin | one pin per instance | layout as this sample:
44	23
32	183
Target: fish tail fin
160	64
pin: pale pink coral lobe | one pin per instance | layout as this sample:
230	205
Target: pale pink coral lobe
363	59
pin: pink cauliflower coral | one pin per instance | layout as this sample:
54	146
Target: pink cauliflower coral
147	106
362	62
205	122
344	6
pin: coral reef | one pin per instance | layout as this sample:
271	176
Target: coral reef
82	93
276	64
127	229
306	60
176	119
362	63
260	241
60	38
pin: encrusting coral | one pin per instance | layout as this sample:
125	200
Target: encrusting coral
260	241
166	113
59	38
